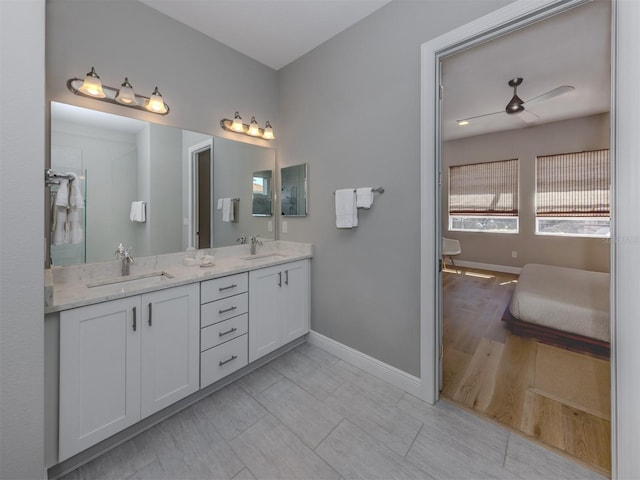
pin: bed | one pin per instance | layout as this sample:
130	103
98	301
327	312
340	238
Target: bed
562	306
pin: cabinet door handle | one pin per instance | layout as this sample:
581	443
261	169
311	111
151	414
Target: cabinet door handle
231	330
150	313
279	279
286	277
226	310
222	289
223	362
134	319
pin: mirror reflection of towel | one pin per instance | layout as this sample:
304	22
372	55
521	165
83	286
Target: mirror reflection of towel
227	210
138	212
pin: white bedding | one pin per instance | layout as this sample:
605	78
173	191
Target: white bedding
567	299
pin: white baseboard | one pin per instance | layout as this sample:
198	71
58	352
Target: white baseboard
393	375
489	266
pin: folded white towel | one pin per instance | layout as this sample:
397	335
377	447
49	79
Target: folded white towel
364	197
58	237
227	210
138	212
346	210
62	195
76	199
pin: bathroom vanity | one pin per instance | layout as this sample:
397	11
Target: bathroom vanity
132	348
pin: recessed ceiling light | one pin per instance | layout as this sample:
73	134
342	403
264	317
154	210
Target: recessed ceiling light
462	123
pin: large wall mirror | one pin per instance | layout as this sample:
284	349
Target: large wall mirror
152	187
293	195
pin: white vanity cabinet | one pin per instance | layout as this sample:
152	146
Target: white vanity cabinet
278	306
123	360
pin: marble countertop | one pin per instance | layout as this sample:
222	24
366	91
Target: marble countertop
80	285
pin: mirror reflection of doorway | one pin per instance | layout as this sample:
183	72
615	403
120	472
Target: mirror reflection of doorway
203	195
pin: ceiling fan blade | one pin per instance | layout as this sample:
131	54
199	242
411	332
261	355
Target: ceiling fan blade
527	117
550	94
478	116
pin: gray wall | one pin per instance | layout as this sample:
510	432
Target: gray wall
361	92
201	80
587	133
21	239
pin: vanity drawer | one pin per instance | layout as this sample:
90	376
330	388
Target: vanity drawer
224	309
223	331
220	361
223	287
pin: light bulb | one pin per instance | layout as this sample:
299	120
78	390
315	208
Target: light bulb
92	85
254	130
156	103
126	95
268	132
237	125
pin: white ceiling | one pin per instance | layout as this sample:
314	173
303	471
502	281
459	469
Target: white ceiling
572	48
273	32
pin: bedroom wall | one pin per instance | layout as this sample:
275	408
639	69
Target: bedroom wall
587	133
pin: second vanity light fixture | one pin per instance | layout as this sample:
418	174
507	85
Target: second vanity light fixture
92	87
253	130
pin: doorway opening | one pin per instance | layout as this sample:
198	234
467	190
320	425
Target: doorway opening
469	374
201	195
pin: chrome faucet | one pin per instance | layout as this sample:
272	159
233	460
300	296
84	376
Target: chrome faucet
242	239
124	254
254	243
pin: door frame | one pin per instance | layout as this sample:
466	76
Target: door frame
624	202
193	152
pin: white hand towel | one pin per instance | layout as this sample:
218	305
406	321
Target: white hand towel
62	195
346	210
75	198
220	202
364	197
138	212
227	210
76	233
59	230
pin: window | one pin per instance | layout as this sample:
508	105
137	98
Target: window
572	194
483	197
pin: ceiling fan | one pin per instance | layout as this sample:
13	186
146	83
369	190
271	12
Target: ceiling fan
517	106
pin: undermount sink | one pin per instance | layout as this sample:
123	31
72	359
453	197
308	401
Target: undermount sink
271	256
152	278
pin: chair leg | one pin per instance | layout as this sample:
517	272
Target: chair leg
453	263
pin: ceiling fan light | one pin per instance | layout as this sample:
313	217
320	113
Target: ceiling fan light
515	105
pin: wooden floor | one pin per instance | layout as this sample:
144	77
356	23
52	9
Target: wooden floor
493	372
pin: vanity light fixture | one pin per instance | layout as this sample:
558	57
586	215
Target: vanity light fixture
253	130
92	87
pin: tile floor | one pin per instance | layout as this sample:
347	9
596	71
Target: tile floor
310	415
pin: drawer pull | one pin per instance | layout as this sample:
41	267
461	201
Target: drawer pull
150	313
222	334
223	362
279	279
286	277
222	289
134	319
226	310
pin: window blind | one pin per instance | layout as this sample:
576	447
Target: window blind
573	184
487	189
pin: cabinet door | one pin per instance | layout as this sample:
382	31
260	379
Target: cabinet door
295	300
170	346
99	373
265	331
